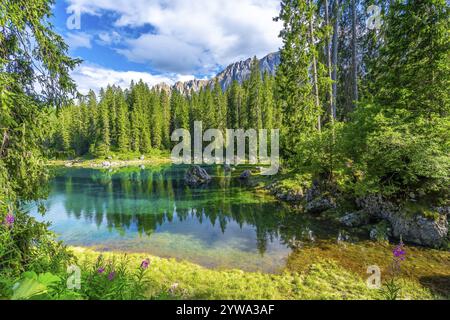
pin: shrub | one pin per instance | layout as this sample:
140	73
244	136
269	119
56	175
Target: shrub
393	154
101	280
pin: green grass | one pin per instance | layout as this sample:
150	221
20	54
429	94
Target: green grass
424	269
321	279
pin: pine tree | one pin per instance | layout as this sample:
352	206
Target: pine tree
110	105
122	123
334	59
166	118
135	130
235	105
64	136
219	100
267	102
103	145
354	54
180	111
92	114
400	134
209	109
145	118
295	87
414	62
156	114
254	96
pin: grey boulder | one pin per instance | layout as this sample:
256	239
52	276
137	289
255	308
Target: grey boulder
320	205
196	176
355	219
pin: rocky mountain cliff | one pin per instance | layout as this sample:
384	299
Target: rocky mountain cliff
239	71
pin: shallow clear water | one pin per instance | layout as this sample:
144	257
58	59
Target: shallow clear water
225	224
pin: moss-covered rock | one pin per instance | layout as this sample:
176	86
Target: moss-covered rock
416	226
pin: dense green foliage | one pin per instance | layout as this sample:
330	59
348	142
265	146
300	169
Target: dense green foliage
101	279
391	137
140	119
396	141
26	40
400	132
31	56
365	110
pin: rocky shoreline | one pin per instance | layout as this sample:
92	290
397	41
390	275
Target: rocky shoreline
383	218
109	163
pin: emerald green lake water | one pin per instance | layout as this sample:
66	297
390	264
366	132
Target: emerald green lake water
225	224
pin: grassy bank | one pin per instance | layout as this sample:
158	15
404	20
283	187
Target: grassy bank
321	278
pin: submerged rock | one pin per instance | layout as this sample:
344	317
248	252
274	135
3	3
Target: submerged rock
355	219
245	175
320	205
196	176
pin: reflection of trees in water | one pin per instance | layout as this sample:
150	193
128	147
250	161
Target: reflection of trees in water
146	199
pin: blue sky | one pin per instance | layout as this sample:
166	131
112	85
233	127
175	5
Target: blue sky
164	40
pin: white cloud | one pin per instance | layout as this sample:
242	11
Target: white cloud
189	34
165	52
94	77
109	38
78	40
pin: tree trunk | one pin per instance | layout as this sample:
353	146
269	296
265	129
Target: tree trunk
314	65
329	66
335	56
354	58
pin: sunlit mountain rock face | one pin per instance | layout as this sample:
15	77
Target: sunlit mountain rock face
239	71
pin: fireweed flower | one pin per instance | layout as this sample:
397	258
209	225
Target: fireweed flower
399	255
111	276
9	219
101	270
145	263
399	252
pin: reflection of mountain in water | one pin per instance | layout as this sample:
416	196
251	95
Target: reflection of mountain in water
149	201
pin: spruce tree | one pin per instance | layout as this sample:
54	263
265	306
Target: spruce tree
267	102
156	115
103	145
295	85
220	105
400	135
166	118
414	61
254	96
235	104
122	123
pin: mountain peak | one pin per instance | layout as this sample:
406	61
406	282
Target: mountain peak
239	71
